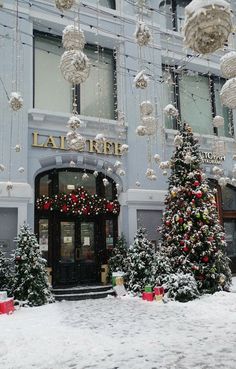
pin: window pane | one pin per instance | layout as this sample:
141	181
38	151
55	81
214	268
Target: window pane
230	234
108	191
43	237
180	13
108	3
87	242
195	103
97	92
168	96
52	92
67	242
71	180
222	110
166	13
44	186
228	198
109	235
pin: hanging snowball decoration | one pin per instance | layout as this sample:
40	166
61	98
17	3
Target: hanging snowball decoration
146	108
16	101
222	181
100	138
141	130
142	34
21	170
105	182
75	141
17	148
64	4
72	164
121	172
9	186
218	121
228	64
124	149
74	122
228	93
73	38
85	177
109	170
95	173
117	164
2	167
164	165
216	170
149	123
208	24
141	80
219	148
233	182
75	66
188	158
150	174
178	140
157	158
171	111
137	184
164	172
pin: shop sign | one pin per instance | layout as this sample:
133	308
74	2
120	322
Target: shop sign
211	158
59	143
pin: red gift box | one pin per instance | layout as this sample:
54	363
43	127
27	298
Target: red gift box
148	296
7	306
159	290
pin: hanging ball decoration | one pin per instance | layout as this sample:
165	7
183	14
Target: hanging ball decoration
171	111
233	182
117	164
124	149
157	158
85	177
109	170
100	138
16	101
137	184
218	121
164	165
2	167
75	141
207	25
73	38
149	123
74	122
188	158
141	130
146	108
17	148
178	140
222	181
216	170
95	173
72	164
149	173
121	172
142	34
75	66
64	4
105	182
141	80
228	64
164	172
228	93
9	186
21	170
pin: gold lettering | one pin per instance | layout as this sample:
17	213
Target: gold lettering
62	142
35	140
107	148
94	147
50	141
117	146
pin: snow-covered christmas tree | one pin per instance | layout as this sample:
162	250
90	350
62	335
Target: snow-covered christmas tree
5	272
118	259
30	279
140	258
192	236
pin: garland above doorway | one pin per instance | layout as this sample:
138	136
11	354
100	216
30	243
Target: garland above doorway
78	202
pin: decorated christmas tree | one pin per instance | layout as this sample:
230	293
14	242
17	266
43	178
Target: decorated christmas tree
5	272
30	280
118	259
140	258
192	236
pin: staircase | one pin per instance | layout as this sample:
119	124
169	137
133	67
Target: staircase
82	292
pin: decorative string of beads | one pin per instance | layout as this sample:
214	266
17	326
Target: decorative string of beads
124	149
75	66
228	93
157	158
74	122
73	38
141	80
207	25
64	4
15	101
171	111
142	34
218	121
105	182
146	108
2	167
228	64
178	140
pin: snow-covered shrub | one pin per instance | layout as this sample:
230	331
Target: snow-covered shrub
181	287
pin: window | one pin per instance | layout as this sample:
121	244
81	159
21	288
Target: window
108	3
174	13
71	180
197	97
95	97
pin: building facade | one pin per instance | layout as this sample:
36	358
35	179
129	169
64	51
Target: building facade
37	163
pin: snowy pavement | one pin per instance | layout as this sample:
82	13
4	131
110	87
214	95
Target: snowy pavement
125	333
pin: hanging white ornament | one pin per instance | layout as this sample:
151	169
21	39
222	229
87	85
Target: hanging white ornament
218	121
141	80
228	93
16	101
75	66
17	148
157	158
207	25
149	123
105	182
95	173
9	186
2	167
164	165
85	177
216	170
21	170
73	38
141	130
150	174
117	164
164	172
142	34
117	186
109	170
100	138
178	140
228	64
146	108
188	158
137	184
124	149
75	141
171	111
233	182
121	172
64	4
222	181
74	122
72	164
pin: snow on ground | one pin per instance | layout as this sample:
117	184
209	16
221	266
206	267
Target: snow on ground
125	333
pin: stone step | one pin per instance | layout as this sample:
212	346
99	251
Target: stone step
84	295
81	289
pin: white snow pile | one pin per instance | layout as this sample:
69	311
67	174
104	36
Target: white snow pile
122	333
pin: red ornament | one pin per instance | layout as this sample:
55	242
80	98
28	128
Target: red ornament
17	258
185	249
205	259
196	183
182	243
109	207
198	194
168	222
74	198
64	208
47	205
181	220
